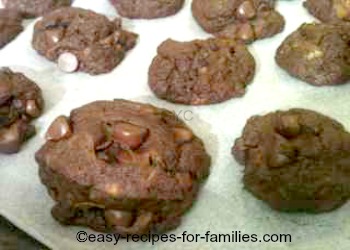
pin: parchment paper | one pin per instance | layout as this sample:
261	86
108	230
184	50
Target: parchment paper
223	206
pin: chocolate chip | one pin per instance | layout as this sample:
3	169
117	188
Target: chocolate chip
10	139
266	6
129	136
59	129
139	159
68	62
246	10
107	41
119	218
143	221
246	32
32	108
288	125
279	160
182	135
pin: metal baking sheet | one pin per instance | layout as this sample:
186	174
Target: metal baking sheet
223	206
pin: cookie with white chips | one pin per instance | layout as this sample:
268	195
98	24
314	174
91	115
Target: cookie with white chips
82	40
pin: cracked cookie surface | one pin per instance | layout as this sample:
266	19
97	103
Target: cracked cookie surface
122	167
244	20
317	53
147	9
34	8
20	102
82	40
295	160
201	71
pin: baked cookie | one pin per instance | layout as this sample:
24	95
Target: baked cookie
201	71
10	26
122	167
317	53
147	9
20	102
34	8
246	20
82	40
329	11
296	160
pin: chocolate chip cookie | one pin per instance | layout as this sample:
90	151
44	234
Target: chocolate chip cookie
34	8
329	11
246	20
10	26
296	160
82	40
20	102
201	71
122	167
317	53
147	9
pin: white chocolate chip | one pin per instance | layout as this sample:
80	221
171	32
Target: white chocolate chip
68	62
314	54
246	10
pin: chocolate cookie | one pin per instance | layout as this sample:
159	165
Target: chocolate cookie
296	160
329	11
147	9
201	71
20	102
33	8
246	20
122	167
10	26
82	40
317	53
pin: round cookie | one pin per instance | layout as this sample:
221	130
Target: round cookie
246	20
329	11
34	8
122	167
82	40
201	71
317	53
296	160
147	9
20	102
10	26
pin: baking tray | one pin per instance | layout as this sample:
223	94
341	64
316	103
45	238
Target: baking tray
223	205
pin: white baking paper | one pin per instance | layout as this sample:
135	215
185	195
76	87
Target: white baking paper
223	206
